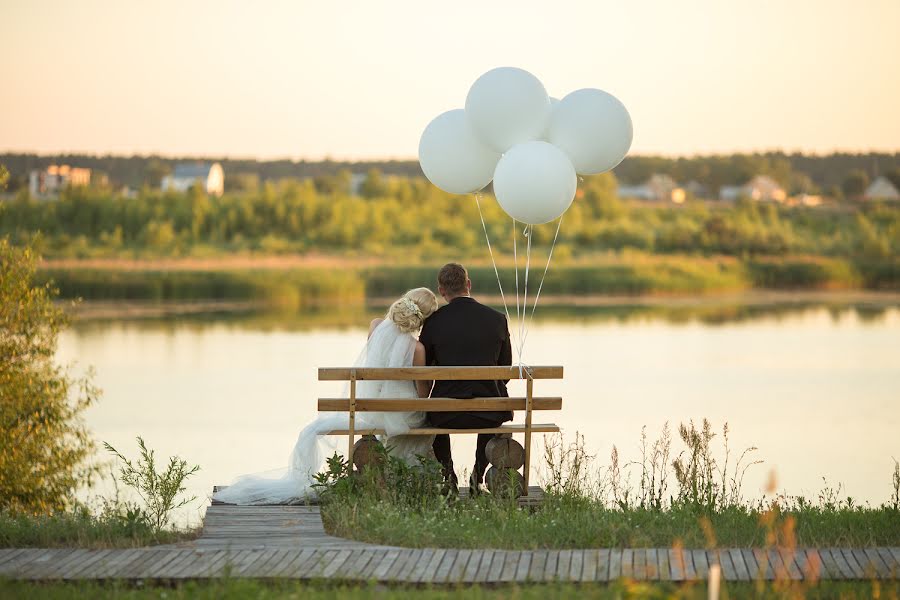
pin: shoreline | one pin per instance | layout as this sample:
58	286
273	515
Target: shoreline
89	310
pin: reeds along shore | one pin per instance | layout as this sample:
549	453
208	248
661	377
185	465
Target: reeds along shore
627	275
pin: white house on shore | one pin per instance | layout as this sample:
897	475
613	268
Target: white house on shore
659	188
761	188
881	189
55	178
211	178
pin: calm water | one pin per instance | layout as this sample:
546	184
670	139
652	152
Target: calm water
816	390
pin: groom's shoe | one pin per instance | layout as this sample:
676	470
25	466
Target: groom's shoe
474	485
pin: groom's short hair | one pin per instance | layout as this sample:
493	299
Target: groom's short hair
452	279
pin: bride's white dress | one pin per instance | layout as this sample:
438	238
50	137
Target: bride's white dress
387	347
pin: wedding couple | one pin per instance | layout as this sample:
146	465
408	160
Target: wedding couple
461	333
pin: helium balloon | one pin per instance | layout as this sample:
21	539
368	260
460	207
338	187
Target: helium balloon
593	128
507	106
535	182
452	158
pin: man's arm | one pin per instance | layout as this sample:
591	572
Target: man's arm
505	357
427	359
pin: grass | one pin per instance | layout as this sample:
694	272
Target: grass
240	588
588	508
633	274
82	529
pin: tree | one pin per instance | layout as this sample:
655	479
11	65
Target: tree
855	183
44	443
894	177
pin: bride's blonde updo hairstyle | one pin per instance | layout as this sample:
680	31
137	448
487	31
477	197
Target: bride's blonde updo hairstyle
411	310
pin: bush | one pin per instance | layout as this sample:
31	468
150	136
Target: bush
44	443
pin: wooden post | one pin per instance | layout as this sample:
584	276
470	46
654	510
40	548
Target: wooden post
352	424
529	387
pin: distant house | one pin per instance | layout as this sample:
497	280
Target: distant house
696	189
659	188
211	178
761	188
55	178
881	189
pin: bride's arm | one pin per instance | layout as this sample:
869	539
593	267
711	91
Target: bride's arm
375	323
422	387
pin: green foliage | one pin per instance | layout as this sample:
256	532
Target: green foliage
588	508
159	490
410	219
44	443
388	479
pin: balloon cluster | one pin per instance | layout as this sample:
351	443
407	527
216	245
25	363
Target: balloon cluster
530	145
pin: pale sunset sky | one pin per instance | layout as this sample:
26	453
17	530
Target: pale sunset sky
355	79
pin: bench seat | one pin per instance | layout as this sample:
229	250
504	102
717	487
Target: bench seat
513	428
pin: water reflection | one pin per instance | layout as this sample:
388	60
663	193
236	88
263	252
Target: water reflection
814	386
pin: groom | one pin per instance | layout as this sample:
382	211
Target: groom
465	333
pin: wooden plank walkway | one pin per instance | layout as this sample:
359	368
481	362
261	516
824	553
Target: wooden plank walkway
290	542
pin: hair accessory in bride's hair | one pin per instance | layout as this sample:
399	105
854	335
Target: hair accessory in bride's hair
413	307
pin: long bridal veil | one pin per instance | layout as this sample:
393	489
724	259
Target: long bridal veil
387	347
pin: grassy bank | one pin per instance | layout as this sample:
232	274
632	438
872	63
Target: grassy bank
629	274
264	590
689	495
83	529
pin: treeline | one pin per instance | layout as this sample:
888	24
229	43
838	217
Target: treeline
408	219
839	174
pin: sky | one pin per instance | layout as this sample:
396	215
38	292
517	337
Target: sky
355	79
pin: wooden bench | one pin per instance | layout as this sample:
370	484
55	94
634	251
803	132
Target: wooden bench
529	403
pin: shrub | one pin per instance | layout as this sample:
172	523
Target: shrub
44	443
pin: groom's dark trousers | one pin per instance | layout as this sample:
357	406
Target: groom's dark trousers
466	333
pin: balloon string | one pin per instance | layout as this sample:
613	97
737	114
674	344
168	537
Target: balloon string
491	252
529	230
518	317
541	285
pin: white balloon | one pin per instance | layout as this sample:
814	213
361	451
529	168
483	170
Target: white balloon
507	106
535	182
593	128
452	158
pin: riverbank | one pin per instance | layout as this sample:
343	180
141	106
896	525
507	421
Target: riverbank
298	281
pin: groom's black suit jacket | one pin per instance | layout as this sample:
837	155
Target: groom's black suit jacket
466	333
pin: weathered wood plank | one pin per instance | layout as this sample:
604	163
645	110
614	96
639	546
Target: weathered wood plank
893	564
484	568
523	567
472	567
512	428
563	562
380	572
442	572
857	570
550	565
676	564
538	563
417	570
576	565
437	373
665	570
701	563
882	571
589	568
615	564
438	404
741	571
603	564
510	564
651	566
765	567
459	566
639	564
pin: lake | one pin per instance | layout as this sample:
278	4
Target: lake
815	387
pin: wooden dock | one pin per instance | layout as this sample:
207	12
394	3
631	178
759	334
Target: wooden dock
289	542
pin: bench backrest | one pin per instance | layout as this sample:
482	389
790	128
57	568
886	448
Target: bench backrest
529	403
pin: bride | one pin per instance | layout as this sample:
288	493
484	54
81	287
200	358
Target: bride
392	343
